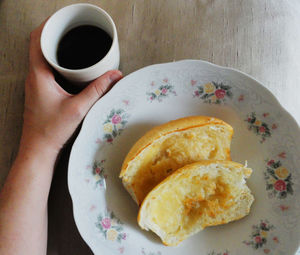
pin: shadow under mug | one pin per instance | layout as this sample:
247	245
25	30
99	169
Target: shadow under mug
63	21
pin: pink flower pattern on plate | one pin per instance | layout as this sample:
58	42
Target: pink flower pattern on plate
92	208
260	236
282	155
121	249
111	227
220	93
106	223
98	173
126	102
259	127
278	180
114	124
213	92
193	82
116	119
284	207
241	98
163	91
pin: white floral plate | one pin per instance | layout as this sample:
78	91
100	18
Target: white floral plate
264	134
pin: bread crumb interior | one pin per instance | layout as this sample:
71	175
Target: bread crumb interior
190	205
173	151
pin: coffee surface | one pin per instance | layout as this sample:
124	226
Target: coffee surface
82	47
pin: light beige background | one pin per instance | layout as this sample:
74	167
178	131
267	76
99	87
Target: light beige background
258	37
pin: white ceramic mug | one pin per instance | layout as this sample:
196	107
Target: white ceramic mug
72	16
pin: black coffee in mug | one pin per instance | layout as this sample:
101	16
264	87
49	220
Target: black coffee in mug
82	47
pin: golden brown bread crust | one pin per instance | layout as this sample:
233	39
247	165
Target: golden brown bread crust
167	128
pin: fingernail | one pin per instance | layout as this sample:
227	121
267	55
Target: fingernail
115	76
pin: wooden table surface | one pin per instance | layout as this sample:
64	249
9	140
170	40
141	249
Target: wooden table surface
258	37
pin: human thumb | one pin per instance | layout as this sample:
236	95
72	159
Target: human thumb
87	97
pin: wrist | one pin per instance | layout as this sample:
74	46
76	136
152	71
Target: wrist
33	145
35	136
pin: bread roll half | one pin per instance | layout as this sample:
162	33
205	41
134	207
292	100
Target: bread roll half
167	147
199	195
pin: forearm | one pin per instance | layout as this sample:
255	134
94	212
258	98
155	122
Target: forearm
51	115
23	200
